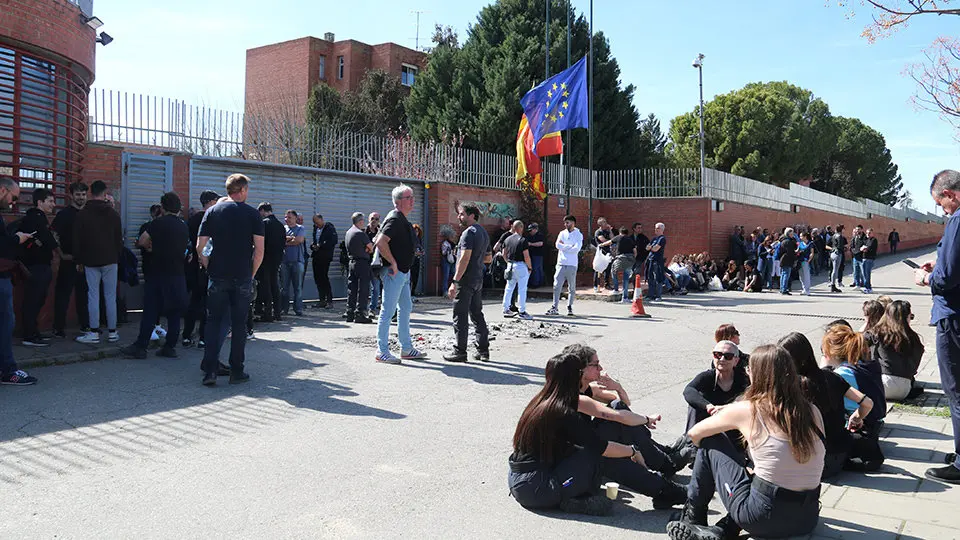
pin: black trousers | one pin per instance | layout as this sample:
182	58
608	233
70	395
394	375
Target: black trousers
358	285
34	297
321	276
467	306
197	309
70	280
162	295
228	299
268	289
536	485
624	471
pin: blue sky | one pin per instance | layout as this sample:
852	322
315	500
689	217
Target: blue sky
195	51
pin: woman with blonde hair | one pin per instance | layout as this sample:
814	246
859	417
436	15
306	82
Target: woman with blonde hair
784	435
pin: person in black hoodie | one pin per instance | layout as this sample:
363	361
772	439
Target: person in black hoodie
324	240
9	243
268	278
37	255
97	243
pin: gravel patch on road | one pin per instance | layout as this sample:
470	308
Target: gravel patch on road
515	329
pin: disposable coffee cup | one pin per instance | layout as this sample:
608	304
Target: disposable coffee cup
612	489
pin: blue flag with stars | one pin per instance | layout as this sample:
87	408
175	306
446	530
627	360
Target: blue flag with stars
558	103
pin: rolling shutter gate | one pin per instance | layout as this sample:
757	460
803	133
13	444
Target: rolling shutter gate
334	195
145	179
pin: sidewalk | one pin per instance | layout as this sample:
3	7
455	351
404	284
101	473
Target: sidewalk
67	351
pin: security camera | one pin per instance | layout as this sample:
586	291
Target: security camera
104	39
698	61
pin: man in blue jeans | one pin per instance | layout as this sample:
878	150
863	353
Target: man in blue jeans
236	231
870	245
292	268
9	373
787	255
943	278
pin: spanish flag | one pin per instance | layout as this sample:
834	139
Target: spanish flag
529	170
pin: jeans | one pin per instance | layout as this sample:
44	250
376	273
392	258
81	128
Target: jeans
568	275
166	293
867	272
858	272
321	277
376	291
534	485
766	272
227	297
197	308
108	276
625	276
836	263
805	277
292	279
518	282
948	358
358	286
536	275
654	280
396	299
69	279
34	297
785	279
7	322
467	306
753	504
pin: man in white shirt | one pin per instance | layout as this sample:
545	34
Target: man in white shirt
568	244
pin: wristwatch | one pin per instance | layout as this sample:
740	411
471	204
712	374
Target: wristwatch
455	281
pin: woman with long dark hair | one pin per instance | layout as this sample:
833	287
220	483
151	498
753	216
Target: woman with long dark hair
556	453
826	390
898	349
784	434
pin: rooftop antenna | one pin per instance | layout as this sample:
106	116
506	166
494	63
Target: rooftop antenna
417	39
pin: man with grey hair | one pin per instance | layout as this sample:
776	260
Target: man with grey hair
943	278
359	250
396	247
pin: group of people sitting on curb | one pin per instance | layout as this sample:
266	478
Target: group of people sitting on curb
762	429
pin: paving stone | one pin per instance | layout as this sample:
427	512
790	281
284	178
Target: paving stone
897	506
913	530
843	524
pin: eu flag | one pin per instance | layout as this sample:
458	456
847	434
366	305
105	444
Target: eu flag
559	102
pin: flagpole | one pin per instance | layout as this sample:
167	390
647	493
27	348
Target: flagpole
590	131
567	171
544	174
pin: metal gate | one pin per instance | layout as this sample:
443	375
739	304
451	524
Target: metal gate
335	195
145	179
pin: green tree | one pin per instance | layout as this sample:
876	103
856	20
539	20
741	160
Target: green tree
476	89
859	165
773	132
375	108
653	141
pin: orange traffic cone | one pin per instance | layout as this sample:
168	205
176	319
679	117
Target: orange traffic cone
637	308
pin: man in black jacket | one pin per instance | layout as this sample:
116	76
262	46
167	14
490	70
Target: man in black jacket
324	241
197	276
97	243
37	255
787	253
870	246
9	373
268	277
856	254
70	276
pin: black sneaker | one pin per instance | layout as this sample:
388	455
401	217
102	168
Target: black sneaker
201	344
34	342
482	356
237	378
223	370
949	474
672	494
132	351
363	319
570	312
950	458
683	530
729	527
455	356
594	505
515	309
18	378
168	352
59	334
210	379
690	514
186	342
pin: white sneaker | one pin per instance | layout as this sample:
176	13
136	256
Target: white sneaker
89	337
154	336
113	336
159	331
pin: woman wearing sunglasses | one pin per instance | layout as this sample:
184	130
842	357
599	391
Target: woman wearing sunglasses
711	390
784	434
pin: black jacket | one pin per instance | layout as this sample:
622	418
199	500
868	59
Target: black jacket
325	242
274	240
788	253
97	235
899	364
39	249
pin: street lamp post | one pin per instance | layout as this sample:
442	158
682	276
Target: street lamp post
698	64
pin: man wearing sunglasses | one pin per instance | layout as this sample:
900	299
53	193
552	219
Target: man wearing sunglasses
9	374
716	387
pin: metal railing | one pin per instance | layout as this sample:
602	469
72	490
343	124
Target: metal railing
648	184
730	187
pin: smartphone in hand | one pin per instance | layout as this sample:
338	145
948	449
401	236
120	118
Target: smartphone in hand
910	263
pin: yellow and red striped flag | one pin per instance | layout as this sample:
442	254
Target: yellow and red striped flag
529	170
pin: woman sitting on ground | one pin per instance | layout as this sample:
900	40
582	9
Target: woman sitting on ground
752	281
784	434
732	279
556	453
729	332
872	312
843	352
826	390
710	391
899	350
607	402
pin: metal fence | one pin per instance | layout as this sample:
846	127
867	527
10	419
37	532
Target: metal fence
134	119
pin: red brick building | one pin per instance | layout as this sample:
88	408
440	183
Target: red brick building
279	77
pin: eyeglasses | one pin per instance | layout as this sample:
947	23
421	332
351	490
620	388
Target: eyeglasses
725	355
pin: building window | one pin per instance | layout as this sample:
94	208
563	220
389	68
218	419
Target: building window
407	74
323	67
339	67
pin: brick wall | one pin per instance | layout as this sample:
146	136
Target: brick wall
50	26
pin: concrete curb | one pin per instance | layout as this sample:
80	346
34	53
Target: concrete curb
70	358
